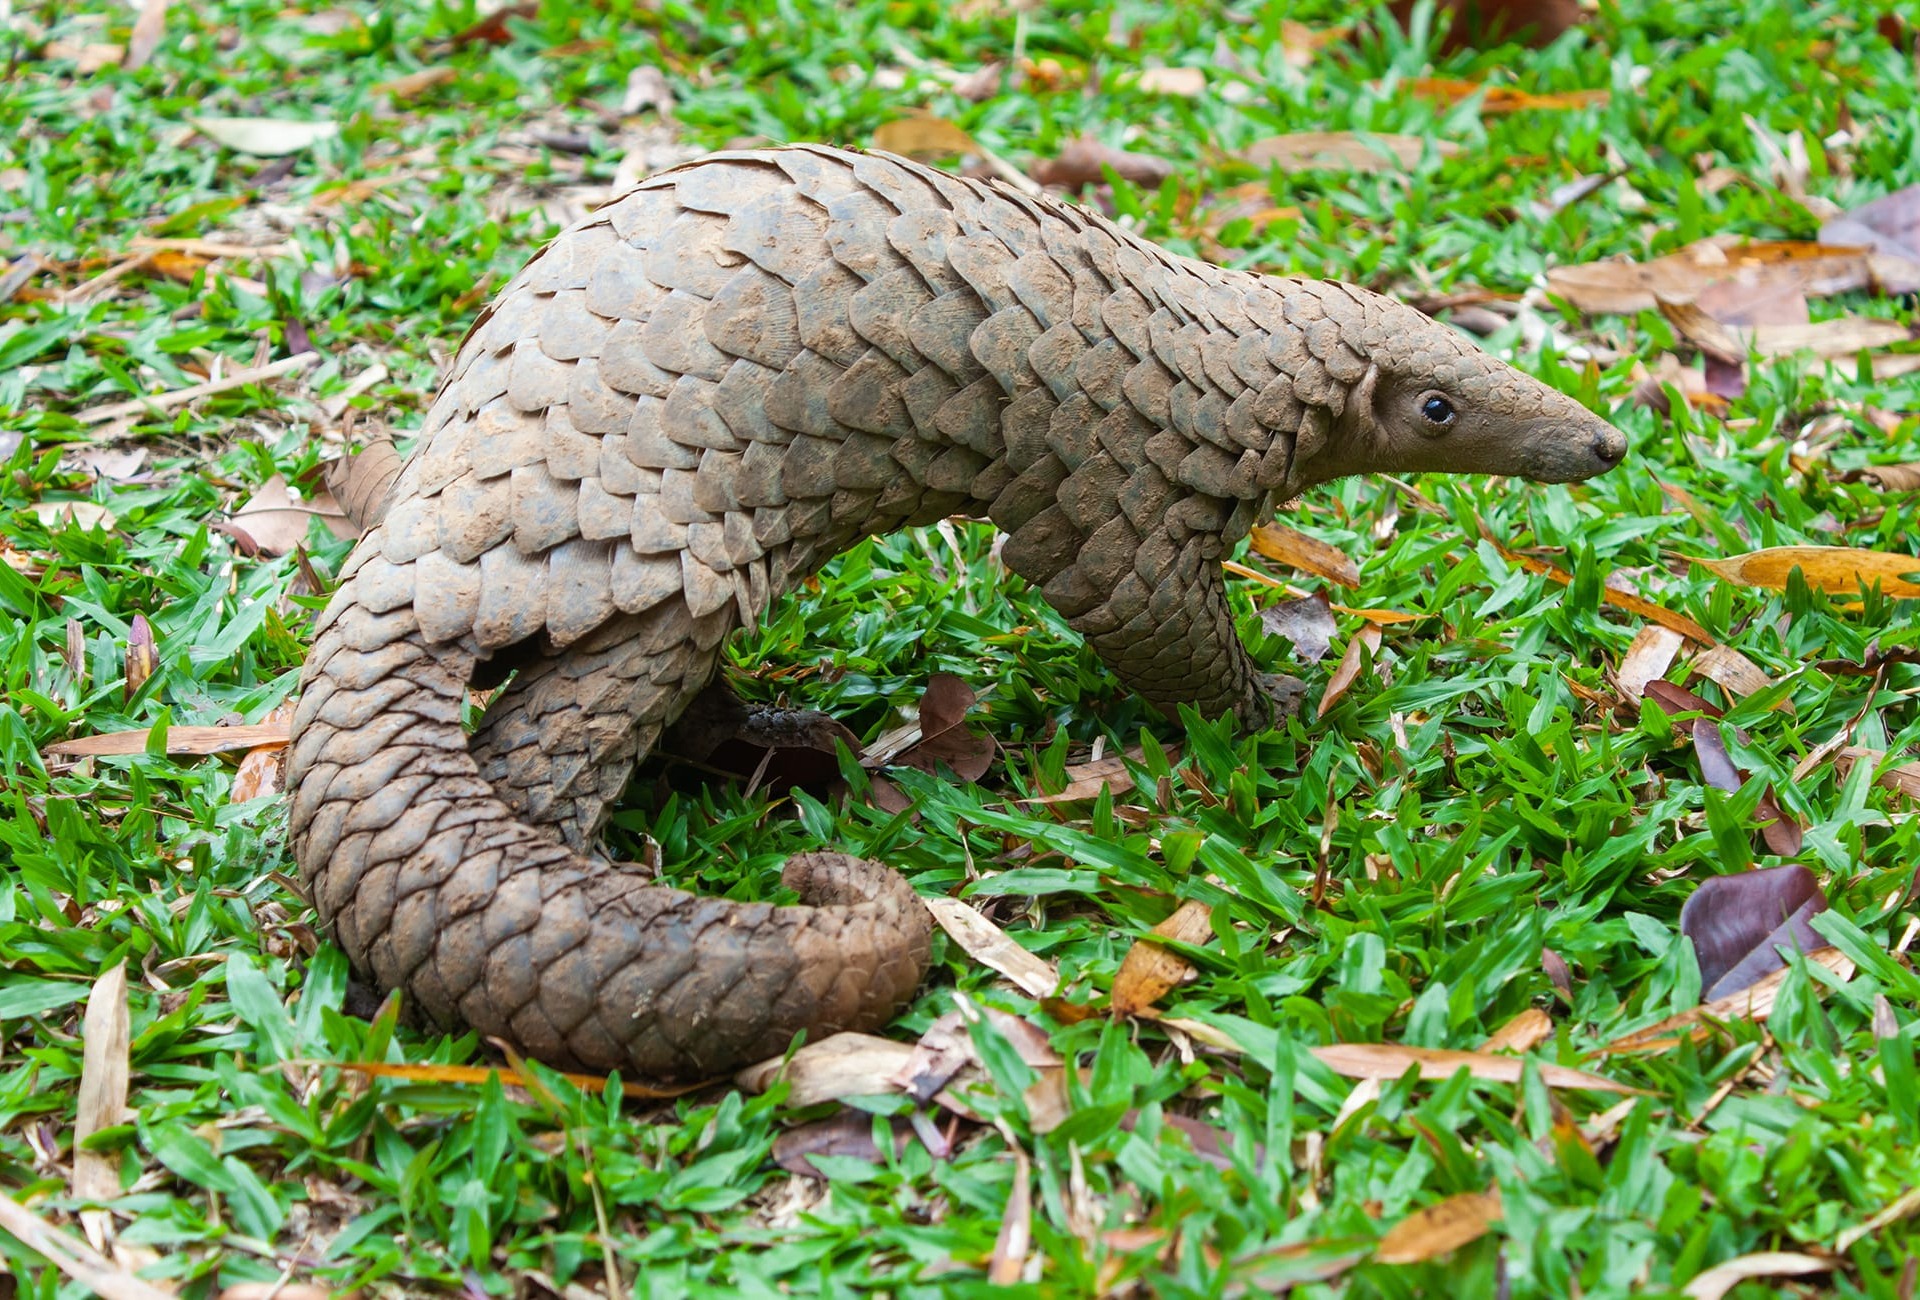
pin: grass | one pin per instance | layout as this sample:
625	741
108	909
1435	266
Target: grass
1388	873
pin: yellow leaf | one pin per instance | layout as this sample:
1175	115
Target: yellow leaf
923	136
1836	570
1440	1228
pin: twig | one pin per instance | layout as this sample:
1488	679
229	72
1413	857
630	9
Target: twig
181	396
73	1256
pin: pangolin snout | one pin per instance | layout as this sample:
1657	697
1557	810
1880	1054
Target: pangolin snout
1609	448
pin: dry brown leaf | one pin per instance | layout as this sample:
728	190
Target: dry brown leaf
1186	83
993	948
1903	1206
1150	971
943	740
1085	161
1648	658
1722	1278
105	1070
148	28
1890	226
361	483
1836	570
275	523
493	28
1523	1033
1306	624
182	742
1344	151
1440	1228
1904	477
414	84
833	1069
849	1133
1500	99
1363	646
1902	778
1293	548
1734	673
1015	1238
481	1074
924	136
1618	599
1087	780
1388	1061
1815	270
1753	1003
260	773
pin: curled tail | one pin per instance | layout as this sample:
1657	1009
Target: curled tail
434	884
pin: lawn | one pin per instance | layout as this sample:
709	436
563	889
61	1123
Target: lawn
1540	723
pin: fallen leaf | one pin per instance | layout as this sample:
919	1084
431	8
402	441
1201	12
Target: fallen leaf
1500	99
1087	780
1010	1246
1722	1278
1150	971
1440	1228
1618	599
923	136
1648	658
1522	1034
148	28
1904	477
993	948
1739	924
942	739
482	1074
837	1067
1293	548
1344	151
362	483
182	742
1084	161
849	1134
418	82
1389	1061
1753	1003
1734	673
647	88
1363	646
1616	287
1183	82
493	29
264	137
275	523
1890	226
105	1070
1836	570
1872	662
263	767
1902	778
1307	624
1903	1206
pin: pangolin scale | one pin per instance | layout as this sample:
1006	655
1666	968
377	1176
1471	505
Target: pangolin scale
683	406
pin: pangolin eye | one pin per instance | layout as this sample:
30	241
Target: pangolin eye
1437	411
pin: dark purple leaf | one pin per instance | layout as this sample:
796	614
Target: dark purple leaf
1710	747
1740	924
850	1133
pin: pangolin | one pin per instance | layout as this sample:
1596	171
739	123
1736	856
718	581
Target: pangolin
685	404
